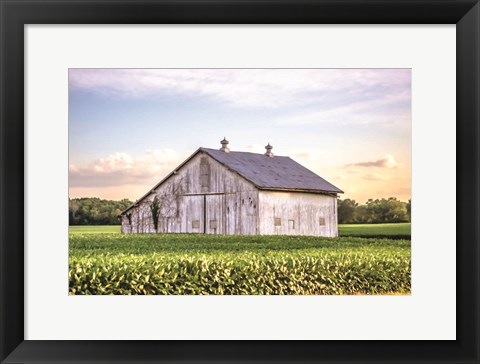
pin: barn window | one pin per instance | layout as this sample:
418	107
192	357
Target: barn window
213	224
278	221
291	224
204	172
196	224
322	221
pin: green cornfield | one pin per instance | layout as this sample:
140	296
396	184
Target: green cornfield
191	264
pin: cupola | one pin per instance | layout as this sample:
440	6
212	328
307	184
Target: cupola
268	152
224	147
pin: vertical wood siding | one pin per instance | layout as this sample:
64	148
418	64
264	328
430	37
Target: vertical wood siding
203	196
299	214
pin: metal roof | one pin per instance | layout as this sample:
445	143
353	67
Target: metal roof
272	172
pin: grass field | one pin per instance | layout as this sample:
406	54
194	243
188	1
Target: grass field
402	229
102	262
100	229
399	229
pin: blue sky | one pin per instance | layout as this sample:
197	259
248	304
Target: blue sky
129	127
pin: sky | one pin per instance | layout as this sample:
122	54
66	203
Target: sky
128	128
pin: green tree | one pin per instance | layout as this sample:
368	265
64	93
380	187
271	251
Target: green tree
347	211
376	211
387	210
95	211
409	210
362	215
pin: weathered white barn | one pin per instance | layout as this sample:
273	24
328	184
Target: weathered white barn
226	192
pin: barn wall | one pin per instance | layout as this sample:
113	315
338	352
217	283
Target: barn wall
299	214
202	196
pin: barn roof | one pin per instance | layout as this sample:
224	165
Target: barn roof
266	172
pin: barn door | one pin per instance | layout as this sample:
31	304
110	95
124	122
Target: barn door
194	216
214	214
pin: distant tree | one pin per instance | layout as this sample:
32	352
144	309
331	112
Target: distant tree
362	215
387	210
383	210
95	211
73	207
409	210
347	211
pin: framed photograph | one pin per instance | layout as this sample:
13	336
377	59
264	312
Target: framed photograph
233	181
211	214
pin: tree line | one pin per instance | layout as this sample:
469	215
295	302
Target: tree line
385	210
95	211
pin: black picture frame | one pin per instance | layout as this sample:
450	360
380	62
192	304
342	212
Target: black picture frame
15	14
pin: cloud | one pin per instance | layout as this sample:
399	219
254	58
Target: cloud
375	177
387	162
113	163
382	110
122	169
267	88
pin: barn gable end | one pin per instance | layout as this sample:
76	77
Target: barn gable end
201	195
